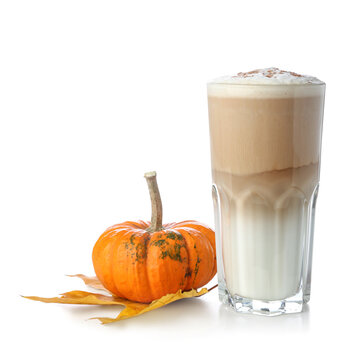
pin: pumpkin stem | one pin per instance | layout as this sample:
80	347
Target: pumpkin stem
156	206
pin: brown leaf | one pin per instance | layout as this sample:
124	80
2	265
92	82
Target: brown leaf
131	308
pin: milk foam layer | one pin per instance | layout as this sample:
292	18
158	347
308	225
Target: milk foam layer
268	76
269	82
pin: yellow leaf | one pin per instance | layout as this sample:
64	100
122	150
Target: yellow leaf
131	308
91	281
79	297
135	309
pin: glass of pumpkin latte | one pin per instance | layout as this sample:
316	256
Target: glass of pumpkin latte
265	132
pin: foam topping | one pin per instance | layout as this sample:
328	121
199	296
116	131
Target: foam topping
272	75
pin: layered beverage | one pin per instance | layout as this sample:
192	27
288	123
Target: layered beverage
265	128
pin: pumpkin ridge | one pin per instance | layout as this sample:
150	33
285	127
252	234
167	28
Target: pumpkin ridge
138	266
147	265
209	245
153	272
187	270
202	256
114	254
207	232
123	255
110	284
126	240
176	236
208	242
131	263
168	262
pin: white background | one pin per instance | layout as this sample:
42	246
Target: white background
95	93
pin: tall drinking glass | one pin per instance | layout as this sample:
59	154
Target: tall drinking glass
265	151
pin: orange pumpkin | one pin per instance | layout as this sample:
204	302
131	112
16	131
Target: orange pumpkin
143	261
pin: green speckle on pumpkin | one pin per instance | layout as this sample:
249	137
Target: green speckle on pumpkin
171	235
196	268
141	251
174	235
173	251
159	243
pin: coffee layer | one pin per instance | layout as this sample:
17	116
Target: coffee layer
256	135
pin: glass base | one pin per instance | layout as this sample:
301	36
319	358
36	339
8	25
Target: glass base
241	304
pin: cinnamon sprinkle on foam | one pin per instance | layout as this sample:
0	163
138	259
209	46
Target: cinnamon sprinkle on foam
267	76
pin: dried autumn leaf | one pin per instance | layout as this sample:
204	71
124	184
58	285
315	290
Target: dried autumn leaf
131	308
79	297
134	309
91	281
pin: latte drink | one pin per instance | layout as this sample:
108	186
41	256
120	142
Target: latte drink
265	128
